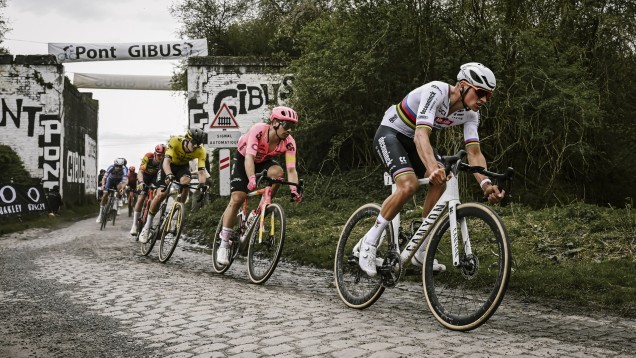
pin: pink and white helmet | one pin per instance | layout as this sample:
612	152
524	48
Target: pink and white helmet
283	113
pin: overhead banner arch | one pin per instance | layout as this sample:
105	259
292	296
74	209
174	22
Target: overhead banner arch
162	50
128	82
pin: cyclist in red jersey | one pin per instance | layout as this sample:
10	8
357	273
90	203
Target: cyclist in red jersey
148	174
255	153
403	146
130	186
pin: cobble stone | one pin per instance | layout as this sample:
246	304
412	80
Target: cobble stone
184	309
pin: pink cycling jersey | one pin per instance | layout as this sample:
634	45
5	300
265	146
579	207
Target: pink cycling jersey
256	143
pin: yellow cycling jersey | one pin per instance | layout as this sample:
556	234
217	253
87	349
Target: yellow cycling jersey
175	152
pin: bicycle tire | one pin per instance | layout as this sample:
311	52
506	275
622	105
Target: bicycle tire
113	213
216	242
463	298
154	232
263	257
171	231
104	215
355	288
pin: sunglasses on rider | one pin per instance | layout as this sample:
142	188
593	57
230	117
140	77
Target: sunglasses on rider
287	124
480	92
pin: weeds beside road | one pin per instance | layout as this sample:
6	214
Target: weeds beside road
577	255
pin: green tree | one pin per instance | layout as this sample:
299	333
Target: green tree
11	167
4	26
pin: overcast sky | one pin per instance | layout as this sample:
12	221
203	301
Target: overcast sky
131	122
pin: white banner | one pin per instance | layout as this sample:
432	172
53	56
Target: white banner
131	82
164	50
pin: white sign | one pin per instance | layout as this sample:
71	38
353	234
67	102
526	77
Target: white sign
224	172
223	138
163	50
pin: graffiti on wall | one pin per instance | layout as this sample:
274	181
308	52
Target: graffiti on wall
36	137
246	96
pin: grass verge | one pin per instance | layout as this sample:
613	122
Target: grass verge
578	254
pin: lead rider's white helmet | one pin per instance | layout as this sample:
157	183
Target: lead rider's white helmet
477	75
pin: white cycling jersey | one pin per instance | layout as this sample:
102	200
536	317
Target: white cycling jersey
427	106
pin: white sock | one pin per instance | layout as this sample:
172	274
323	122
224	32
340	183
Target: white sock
225	237
373	235
136	217
149	221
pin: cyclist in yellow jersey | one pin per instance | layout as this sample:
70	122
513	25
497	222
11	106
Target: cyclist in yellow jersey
179	152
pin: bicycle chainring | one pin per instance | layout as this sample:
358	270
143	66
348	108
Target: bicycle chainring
391	270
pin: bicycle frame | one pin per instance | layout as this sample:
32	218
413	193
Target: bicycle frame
266	199
449	199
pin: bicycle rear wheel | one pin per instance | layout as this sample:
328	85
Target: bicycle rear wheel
154	232
463	298
216	243
263	256
171	231
355	287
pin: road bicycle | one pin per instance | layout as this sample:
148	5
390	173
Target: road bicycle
462	296
261	232
132	198
110	209
155	227
173	222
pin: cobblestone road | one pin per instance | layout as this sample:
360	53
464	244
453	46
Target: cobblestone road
182	309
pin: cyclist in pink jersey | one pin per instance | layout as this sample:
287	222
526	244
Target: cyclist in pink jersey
256	151
403	146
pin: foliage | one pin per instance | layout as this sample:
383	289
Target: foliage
4	26
561	115
11	167
578	252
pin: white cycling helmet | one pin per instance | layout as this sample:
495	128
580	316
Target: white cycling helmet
120	162
477	75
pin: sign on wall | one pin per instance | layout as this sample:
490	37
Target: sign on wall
162	50
21	199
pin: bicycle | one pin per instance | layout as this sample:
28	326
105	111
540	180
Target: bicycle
462	297
110	210
173	222
265	244
154	229
132	198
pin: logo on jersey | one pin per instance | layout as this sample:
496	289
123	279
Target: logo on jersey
402	160
443	121
428	103
290	147
393	119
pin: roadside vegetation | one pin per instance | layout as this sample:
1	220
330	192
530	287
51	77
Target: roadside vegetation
576	255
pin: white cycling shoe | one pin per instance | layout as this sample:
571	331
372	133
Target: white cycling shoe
417	261
367	258
143	237
223	255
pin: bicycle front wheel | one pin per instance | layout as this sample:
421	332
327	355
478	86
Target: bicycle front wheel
266	245
355	287
463	298
104	215
171	231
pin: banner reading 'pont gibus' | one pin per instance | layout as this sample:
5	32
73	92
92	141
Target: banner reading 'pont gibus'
168	50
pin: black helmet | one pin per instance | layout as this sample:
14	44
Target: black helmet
197	136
